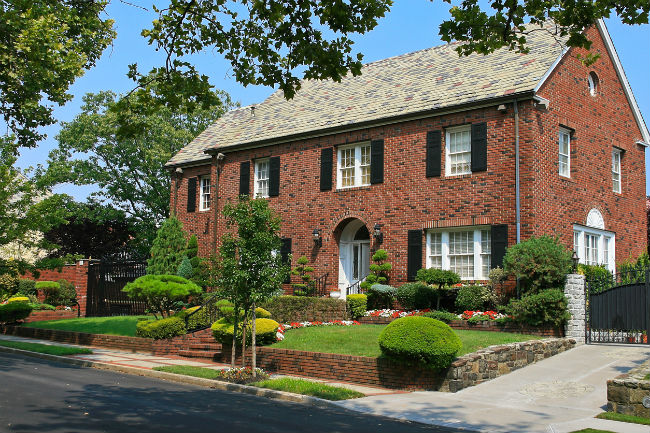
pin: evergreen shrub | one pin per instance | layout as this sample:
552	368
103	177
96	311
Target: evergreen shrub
416	296
160	329
473	298
161	292
546	308
443	316
381	296
357	305
266	331
14	311
420	340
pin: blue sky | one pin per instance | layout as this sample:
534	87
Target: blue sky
411	25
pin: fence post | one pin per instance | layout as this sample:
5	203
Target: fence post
574	290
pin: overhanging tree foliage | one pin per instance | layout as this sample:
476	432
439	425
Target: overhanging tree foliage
250	270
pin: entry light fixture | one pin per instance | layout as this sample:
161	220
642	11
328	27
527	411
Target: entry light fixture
575	260
317	237
379	236
502	108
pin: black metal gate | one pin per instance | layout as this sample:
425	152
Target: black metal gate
618	308
105	283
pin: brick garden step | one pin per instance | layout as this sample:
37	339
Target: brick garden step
205	346
205	354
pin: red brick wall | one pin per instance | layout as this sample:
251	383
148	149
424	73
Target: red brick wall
38	316
407	199
600	123
76	274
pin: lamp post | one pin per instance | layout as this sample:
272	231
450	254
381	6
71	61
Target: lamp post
575	260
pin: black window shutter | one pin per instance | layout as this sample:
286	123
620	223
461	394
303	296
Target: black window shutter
434	153
245	178
285	250
377	161
274	176
414	254
479	146
191	194
499	243
326	160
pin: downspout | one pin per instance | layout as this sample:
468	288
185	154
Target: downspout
517	192
216	158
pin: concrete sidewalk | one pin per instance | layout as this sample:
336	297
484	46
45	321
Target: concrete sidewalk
560	394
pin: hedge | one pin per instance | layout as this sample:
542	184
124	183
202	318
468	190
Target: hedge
357	305
161	329
265	331
287	309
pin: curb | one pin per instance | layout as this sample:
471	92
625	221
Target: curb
179	378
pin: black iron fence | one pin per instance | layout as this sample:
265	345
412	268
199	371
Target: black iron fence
105	283
618	308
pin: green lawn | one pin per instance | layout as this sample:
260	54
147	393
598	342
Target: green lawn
118	325
591	430
361	340
202	372
615	416
308	387
44	348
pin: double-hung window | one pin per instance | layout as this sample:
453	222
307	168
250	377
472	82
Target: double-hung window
466	251
594	246
204	203
353	165
616	170
261	178
459	151
564	161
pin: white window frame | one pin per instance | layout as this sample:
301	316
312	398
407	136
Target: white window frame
204	193
564	132
357	168
257	191
579	236
448	133
477	251
617	175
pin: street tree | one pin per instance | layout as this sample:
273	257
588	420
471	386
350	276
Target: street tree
250	270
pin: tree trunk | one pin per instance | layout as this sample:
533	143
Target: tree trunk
253	354
243	342
234	338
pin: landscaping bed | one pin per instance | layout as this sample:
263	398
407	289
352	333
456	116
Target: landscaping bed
46	315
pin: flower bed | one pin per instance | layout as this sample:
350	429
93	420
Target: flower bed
295	325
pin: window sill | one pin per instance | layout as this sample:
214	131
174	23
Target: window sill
204	210
353	188
458	176
567	179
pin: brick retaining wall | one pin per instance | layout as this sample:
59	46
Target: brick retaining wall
481	326
465	371
40	315
172	346
134	344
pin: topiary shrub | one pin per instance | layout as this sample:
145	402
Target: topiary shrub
415	296
443	316
27	286
50	289
265	331
420	340
14	311
379	270
539	263
473	298
441	280
357	305
161	292
548	307
160	329
306	286
381	296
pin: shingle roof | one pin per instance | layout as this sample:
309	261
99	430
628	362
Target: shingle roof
429	79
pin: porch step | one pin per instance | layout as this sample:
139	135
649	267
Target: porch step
212	355
205	346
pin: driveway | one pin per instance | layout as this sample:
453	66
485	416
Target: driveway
559	394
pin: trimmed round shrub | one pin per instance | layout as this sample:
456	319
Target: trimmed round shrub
50	289
14	311
160	329
415	296
266	331
161	292
420	340
473	298
357	305
381	296
443	316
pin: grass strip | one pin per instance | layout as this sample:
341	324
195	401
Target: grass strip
45	348
202	372
119	325
615	416
307	387
592	430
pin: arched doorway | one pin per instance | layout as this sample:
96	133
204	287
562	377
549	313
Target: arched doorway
354	254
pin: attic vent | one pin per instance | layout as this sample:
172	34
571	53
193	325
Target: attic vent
592	81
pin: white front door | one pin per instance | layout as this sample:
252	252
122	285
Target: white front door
354	263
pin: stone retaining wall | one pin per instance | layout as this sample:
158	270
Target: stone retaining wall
133	344
40	315
480	326
626	392
465	371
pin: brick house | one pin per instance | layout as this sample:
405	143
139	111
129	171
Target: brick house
442	161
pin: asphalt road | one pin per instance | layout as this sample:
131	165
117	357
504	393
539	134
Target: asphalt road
40	396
